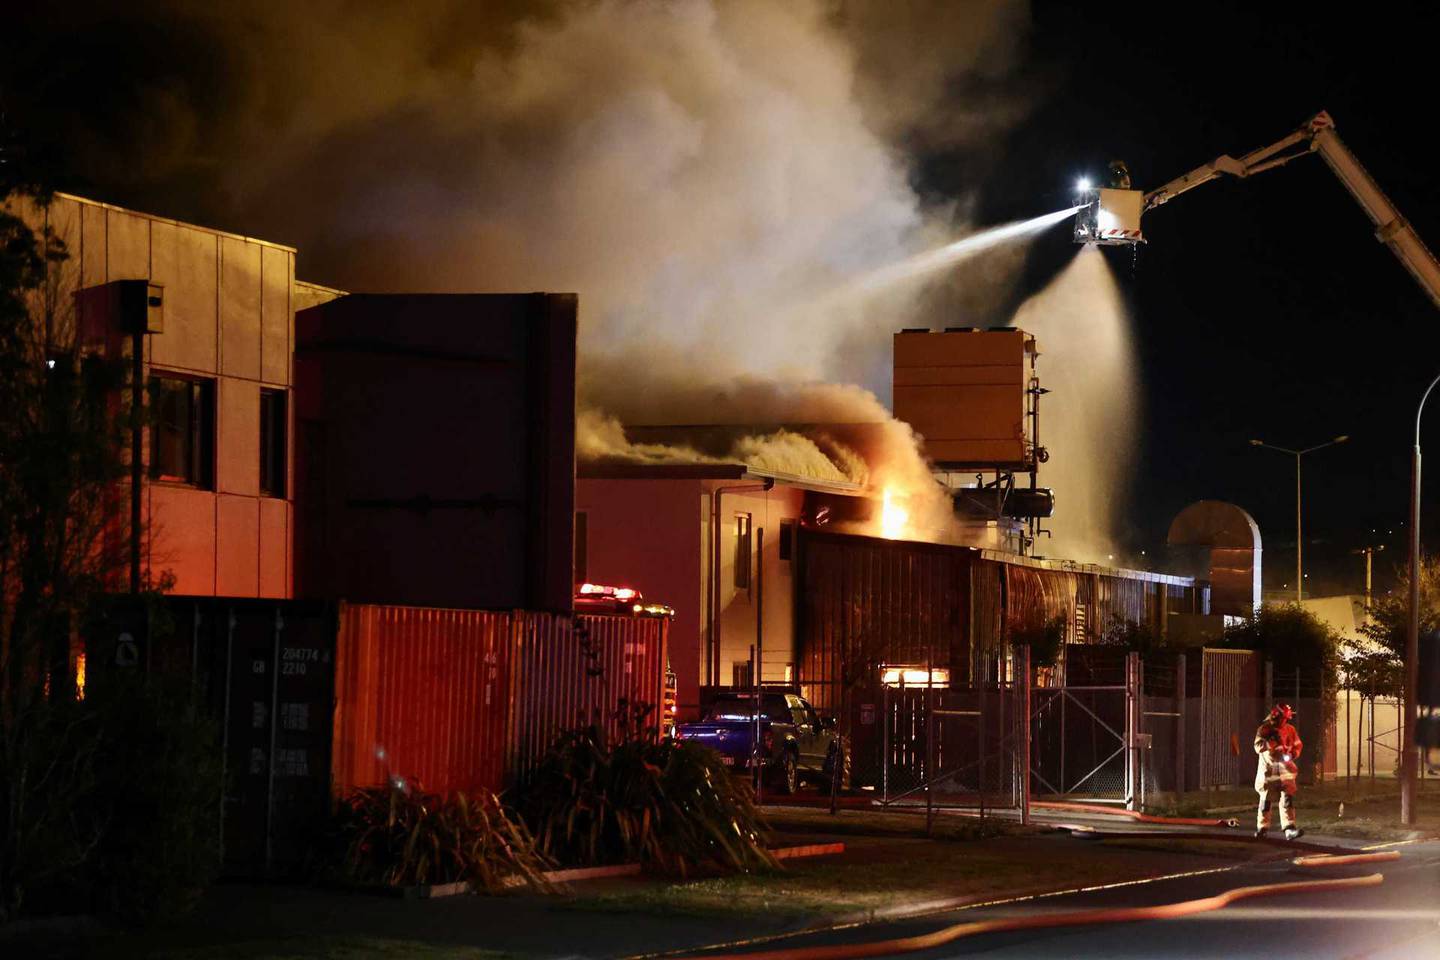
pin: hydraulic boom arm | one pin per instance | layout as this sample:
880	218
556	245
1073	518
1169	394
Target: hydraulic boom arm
1319	136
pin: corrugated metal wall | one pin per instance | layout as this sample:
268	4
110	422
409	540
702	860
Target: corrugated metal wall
423	694
608	671
467	700
864	602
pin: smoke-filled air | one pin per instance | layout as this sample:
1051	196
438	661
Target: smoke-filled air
729	186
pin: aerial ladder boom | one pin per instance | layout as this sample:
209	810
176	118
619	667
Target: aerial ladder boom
1319	136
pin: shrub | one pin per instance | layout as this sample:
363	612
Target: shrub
399	835
159	785
1044	638
667	804
120	795
1136	637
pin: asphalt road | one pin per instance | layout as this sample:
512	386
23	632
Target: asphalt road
1400	918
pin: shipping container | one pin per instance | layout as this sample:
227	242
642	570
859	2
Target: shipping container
587	670
464	700
422	694
265	670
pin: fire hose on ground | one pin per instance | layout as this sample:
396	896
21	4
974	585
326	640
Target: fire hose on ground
1136	815
1078	918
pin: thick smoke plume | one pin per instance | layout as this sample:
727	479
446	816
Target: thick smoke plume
701	172
848	434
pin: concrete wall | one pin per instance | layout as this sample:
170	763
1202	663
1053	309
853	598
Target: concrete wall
436	450
228	319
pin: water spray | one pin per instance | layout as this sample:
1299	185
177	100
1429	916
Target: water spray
960	250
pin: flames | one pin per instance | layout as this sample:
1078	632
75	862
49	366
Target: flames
894	518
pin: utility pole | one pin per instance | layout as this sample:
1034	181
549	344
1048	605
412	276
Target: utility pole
1299	532
1369	554
1408	756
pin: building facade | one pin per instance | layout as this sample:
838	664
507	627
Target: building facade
216	497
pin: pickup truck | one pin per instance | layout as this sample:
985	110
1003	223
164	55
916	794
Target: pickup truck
795	742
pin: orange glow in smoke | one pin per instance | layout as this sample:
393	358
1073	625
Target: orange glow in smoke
893	517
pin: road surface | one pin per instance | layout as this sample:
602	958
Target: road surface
1400	918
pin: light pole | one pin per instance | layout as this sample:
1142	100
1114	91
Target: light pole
1412	631
1299	542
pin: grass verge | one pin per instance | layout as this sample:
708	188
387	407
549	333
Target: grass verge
878	875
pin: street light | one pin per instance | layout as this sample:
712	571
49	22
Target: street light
1412	631
1299	543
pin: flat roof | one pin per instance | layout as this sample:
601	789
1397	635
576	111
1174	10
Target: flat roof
615	468
1074	566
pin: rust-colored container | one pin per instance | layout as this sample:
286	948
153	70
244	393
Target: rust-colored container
469	700
422	694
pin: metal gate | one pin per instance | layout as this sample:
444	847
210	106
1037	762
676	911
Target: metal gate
1085	728
1228	704
955	746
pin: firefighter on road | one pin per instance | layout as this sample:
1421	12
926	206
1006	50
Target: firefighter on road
1277	748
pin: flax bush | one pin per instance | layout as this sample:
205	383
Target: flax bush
669	805
398	835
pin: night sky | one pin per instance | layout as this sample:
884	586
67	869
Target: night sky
1262	308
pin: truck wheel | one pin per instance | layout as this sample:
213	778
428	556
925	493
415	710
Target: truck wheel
787	776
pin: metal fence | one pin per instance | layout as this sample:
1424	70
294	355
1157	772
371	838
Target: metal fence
1228	709
959	746
1104	727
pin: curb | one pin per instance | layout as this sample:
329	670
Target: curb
579	874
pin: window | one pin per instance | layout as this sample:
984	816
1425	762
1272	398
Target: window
787	539
182	433
272	443
582	546
742	551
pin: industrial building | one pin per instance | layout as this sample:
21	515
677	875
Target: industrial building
386	486
211	315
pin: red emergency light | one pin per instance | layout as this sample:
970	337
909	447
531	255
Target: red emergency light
598	590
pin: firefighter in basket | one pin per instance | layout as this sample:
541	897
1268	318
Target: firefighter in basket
1277	748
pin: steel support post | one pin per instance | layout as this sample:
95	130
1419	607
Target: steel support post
1025	679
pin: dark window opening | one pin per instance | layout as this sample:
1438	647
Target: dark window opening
182	433
740	676
787	539
582	546
272	443
742	551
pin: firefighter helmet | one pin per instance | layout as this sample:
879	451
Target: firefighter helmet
1282	711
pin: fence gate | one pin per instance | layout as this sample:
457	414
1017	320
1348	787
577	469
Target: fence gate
977	732
1085	728
1228	705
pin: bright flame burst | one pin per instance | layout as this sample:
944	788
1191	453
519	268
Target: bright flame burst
893	517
